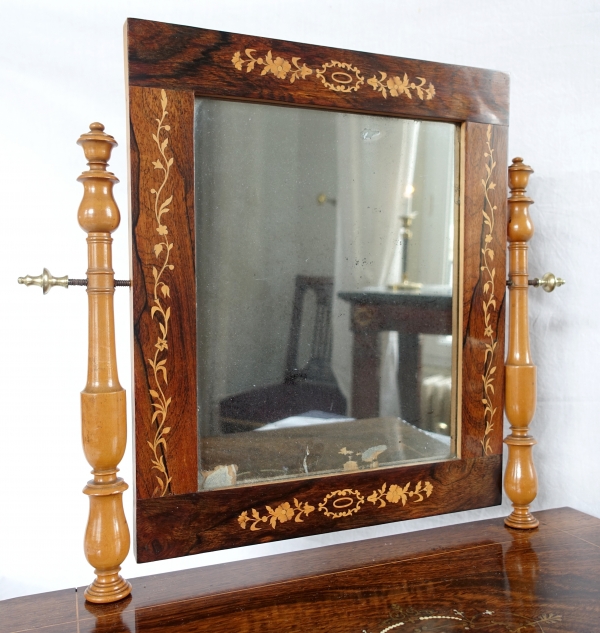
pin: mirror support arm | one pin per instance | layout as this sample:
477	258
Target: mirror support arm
103	406
520	479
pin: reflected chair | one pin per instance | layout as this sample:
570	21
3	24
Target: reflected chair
312	387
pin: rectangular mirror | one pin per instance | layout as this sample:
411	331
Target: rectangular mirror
305	219
318	266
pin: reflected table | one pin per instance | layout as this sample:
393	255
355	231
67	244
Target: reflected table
408	312
478	576
340	446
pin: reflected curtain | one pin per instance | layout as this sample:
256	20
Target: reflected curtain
376	162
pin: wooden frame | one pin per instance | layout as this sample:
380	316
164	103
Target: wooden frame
168	66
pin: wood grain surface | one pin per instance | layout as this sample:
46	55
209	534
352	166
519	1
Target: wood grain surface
479	270
168	67
184	58
51	609
180	457
209	520
479	575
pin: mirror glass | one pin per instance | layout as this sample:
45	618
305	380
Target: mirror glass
325	249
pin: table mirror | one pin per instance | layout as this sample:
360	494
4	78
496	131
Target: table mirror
318	271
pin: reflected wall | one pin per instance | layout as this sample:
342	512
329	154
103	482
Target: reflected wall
325	268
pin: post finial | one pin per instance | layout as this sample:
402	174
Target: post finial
97	146
98	211
520	226
518	176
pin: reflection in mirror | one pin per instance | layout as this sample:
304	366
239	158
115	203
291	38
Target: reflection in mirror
325	274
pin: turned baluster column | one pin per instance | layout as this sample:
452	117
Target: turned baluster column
520	479
103	412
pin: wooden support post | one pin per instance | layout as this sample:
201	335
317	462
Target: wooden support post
103	411
520	479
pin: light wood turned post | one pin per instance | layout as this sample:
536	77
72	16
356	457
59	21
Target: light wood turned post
520	479
103	413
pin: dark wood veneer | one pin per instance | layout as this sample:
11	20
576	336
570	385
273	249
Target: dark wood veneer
52	609
186	58
474	326
182	461
208	520
185	63
470	568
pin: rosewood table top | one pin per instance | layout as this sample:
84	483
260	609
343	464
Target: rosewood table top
478	576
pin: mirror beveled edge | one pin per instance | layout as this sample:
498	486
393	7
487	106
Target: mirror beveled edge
168	66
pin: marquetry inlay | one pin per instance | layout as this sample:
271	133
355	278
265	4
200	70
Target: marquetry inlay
335	75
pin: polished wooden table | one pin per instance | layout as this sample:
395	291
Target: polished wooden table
408	312
478	576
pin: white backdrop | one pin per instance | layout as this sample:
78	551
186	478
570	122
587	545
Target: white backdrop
61	67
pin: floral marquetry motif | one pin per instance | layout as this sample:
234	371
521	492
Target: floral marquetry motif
404	86
334	75
489	302
275	65
336	504
160	312
397	493
283	512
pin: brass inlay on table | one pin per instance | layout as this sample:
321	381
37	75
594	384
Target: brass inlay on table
423	620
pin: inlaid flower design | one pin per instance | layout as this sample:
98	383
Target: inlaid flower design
334	75
277	66
404	86
160	312
335	505
489	301
396	493
283	513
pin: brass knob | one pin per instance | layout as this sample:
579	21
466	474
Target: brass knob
45	281
548	282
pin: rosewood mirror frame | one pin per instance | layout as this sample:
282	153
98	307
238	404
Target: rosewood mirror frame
168	67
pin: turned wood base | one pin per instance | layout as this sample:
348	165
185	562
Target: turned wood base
108	586
521	518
